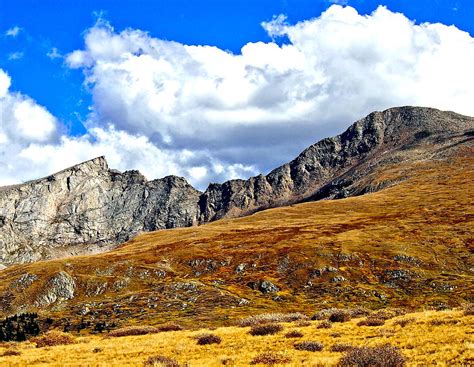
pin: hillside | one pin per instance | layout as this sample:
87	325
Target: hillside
408	245
90	208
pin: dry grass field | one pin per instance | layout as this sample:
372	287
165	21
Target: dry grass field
431	338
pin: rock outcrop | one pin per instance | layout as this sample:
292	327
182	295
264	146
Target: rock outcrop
88	208
91	208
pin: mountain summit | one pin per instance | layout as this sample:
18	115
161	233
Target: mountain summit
90	208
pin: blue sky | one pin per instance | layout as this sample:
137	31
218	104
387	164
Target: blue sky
36	38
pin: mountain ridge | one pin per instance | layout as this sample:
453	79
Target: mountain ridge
90	208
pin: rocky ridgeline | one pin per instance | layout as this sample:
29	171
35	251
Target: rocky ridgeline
91	208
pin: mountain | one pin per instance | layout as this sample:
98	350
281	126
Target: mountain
408	245
90	208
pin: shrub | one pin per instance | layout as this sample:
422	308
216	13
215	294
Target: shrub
303	323
351	312
324	314
52	338
381	356
169	327
294	334
269	318
339	316
385	314
11	352
266	329
437	322
270	358
324	325
161	361
309	346
469	310
404	322
371	321
341	347
359	312
206	339
133	330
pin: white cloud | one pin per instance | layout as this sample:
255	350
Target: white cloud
15	55
207	114
54	54
13	32
33	145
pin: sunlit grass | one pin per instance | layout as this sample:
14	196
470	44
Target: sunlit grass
420	341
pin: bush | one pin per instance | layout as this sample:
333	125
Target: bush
382	356
339	316
309	346
270	358
169	327
11	352
266	329
324	314
52	338
341	347
352	312
206	339
437	322
133	330
386	314
324	325
269	318
359	312
404	322
303	323
469	310
294	334
161	361
371	321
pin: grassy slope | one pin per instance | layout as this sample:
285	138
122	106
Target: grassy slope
428	219
446	343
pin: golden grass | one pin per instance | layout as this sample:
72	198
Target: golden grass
444	344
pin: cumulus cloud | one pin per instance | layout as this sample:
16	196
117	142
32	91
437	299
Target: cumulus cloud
13	32
33	144
208	114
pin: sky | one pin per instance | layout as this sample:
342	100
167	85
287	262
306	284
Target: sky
215	90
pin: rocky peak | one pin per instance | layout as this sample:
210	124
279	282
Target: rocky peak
90	208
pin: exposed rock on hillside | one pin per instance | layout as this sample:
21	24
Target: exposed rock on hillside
88	208
91	208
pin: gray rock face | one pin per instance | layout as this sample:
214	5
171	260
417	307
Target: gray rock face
88	208
91	208
60	287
